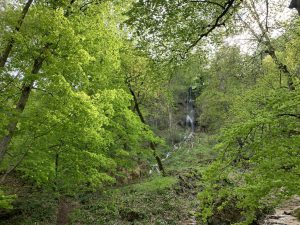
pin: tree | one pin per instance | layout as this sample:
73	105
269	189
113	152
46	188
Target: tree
9	45
47	43
143	83
262	36
171	29
222	83
258	145
71	108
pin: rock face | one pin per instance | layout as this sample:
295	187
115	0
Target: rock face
286	214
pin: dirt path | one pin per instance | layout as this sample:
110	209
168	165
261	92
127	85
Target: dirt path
285	214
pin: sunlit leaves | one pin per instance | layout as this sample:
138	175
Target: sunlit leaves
258	163
77	128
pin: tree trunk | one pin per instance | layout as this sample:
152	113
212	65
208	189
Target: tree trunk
25	92
158	159
152	145
270	49
170	125
8	48
26	87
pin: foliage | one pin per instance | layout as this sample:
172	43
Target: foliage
188	157
222	83
170	28
258	163
77	129
79	103
152	201
6	200
156	184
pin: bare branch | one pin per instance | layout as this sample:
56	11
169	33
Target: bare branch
270	48
209	2
218	23
267	15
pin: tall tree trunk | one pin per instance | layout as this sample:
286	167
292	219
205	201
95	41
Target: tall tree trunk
8	48
152	145
170	124
25	92
267	41
158	159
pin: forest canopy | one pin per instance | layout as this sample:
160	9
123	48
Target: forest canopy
96	95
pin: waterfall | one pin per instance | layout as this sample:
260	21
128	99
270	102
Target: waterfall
189	122
190	111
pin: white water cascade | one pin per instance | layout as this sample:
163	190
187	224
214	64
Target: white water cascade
190	129
190	111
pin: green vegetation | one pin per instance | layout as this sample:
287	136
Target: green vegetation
155	200
6	200
146	112
191	158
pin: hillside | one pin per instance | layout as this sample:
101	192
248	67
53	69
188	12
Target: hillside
149	112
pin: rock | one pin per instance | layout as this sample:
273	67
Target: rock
286	214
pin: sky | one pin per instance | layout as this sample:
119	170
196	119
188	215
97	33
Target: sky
279	15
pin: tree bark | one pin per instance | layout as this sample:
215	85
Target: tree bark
25	92
158	159
152	145
8	48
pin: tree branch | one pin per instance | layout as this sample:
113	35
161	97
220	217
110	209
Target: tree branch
290	114
267	14
152	144
4	55
209	2
218	23
267	41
